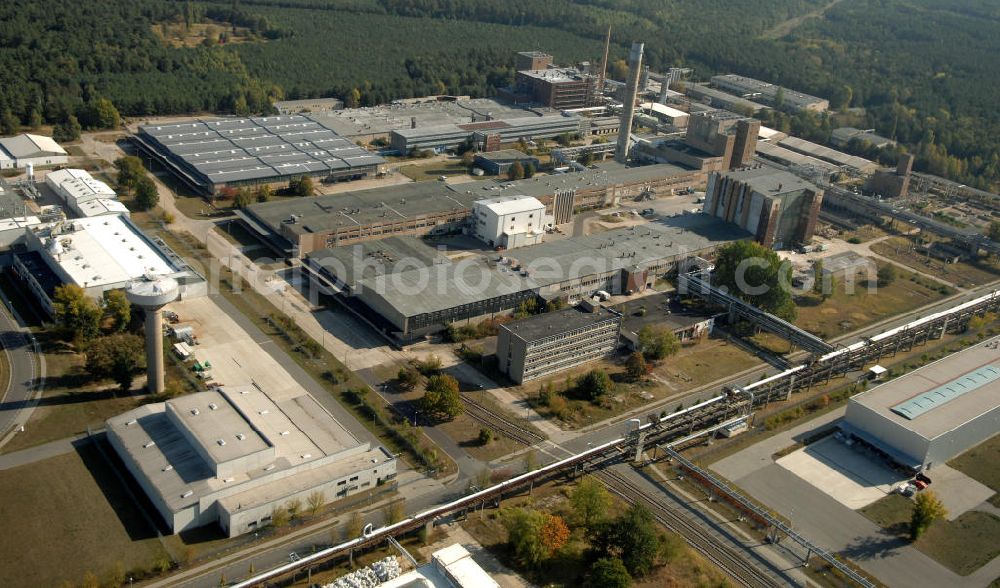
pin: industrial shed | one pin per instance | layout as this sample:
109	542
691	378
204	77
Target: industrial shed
931	415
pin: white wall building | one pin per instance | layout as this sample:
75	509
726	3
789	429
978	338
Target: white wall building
79	190
233	455
510	221
18	151
107	252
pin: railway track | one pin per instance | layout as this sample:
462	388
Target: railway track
499	424
727	559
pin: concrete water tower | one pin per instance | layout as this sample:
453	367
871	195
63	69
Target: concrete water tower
151	295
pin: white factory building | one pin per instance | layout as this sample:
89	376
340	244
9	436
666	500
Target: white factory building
102	253
935	413
20	151
508	222
83	194
233	455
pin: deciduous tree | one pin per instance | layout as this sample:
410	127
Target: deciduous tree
119	357
927	508
441	398
146	195
117	306
635	366
757	275
524	534
609	572
631	537
76	313
554	534
590	501
657	342
130	171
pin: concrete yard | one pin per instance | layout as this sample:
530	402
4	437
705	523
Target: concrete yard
848	476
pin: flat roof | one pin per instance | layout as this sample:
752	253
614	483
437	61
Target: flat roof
664	109
106	249
376	258
222	430
770	182
99	206
502	205
847	260
509	126
702	90
548	324
363	207
827	154
381	120
555	75
40	271
932	416
658	310
478	278
237	149
779	154
753	85
503	155
79	185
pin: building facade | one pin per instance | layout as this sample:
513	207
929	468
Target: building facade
20	151
770	94
548	343
777	207
508	222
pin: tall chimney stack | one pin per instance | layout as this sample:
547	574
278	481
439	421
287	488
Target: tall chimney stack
628	108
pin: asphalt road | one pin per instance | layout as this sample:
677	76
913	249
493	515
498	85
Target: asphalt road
27	373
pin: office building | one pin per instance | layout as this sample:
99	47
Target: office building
930	415
507	222
233	455
560	88
777	207
769	94
212	154
20	151
549	343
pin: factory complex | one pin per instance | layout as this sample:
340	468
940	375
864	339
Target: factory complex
233	454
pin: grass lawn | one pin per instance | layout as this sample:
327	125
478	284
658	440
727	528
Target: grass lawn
433	170
863	234
981	463
843	312
963	274
693	366
963	545
68	515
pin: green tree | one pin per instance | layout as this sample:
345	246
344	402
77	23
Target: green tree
757	275
657	342
595	384
524	534
633	538
529	170
301	186
9	124
993	231
635	366
927	508
609	572
393	513
515	171
244	197
468	158
130	171
590	501
68	130
428	366
886	274
485	436
146	195
818	277
441	398
265	193
315	502
117	306
408	377
353	98
35	119
76	313
279	517
354	526
294	507
102	114
119	357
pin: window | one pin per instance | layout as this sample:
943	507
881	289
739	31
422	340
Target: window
342	482
354	479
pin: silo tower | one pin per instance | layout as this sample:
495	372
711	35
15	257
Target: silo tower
152	294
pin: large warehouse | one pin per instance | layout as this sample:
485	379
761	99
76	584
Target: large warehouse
929	416
406	301
209	155
448	136
20	151
233	455
299	226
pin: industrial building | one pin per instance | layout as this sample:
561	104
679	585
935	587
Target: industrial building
893	183
770	94
777	207
715	141
212	154
666	114
658	310
928	416
20	151
416	301
719	99
559	88
842	136
83	194
300	226
98	254
16	215
853	163
234	454
532	60
548	343
507	222
499	162
450	136
308	105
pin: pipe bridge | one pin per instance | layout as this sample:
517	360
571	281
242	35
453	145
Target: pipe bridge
697	284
